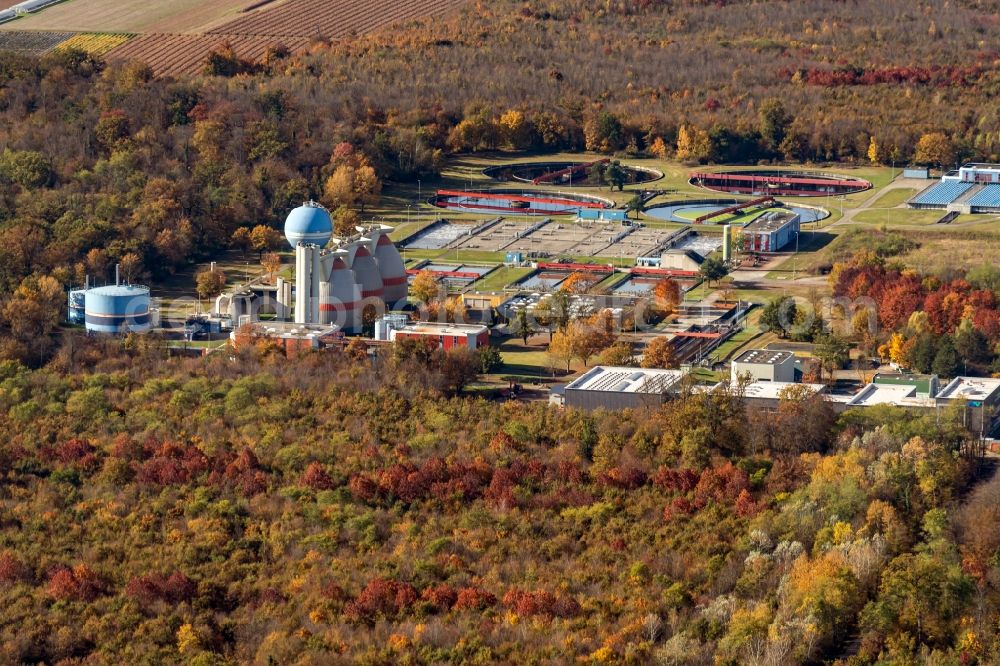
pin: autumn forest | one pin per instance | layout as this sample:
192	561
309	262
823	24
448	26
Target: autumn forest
248	508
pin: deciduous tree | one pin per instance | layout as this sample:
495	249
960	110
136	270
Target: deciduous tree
210	283
659	353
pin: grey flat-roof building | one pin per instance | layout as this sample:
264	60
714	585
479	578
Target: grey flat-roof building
612	387
765	365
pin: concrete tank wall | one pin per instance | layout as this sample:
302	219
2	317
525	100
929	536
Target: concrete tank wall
391	269
343	305
115	309
366	273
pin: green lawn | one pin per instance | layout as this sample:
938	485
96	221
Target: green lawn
736	343
501	277
895	216
894	198
610	281
743	218
530	361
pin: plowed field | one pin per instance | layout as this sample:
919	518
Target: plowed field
175	37
34	43
181	16
172	55
309	18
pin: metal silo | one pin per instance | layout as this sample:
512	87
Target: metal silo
341	304
390	267
365	269
117	309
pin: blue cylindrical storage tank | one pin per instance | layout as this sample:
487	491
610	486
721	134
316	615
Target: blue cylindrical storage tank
309	223
117	309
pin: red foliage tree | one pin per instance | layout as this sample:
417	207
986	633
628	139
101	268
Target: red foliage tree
624	478
172	464
474	598
441	597
316	477
80	583
540	602
149	588
500	493
745	505
382	597
675	480
12	569
898	302
242	472
409	483
679	506
569	471
721	484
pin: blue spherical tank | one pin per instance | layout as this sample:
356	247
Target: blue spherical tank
117	309
309	223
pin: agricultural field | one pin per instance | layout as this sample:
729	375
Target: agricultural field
309	18
174	55
175	37
177	16
95	43
27	42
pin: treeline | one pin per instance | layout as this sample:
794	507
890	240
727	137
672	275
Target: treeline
922	322
104	164
256	508
844	72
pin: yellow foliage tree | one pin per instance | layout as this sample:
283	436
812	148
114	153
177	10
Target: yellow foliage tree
576	283
666	296
424	287
659	148
271	263
693	143
345	221
338	190
187	640
823	588
561	349
659	353
515	130
873	155
934	149
210	283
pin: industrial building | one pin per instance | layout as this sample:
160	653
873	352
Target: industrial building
765	365
116	308
611	387
768	395
398	327
291	337
332	286
771	232
681	260
973	188
924	386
